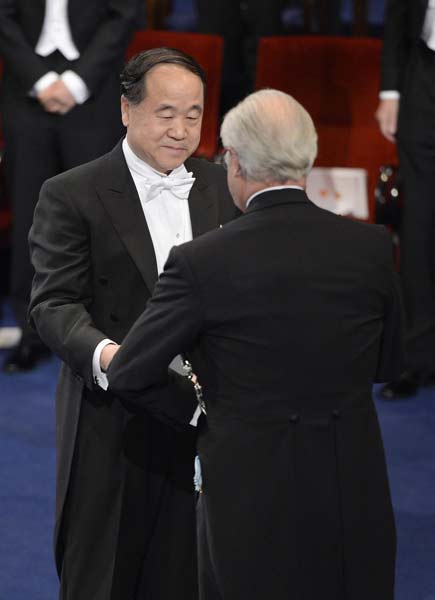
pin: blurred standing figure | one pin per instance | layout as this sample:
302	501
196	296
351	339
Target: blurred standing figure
241	24
294	312
406	114
60	104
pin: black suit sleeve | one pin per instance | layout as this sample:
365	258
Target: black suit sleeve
108	43
396	44
62	290
169	326
15	48
172	401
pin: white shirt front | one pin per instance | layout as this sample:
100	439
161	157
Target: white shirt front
428	32
168	220
167	216
56	35
56	32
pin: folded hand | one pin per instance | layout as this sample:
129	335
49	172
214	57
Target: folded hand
56	98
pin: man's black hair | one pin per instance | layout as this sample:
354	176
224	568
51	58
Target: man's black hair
133	76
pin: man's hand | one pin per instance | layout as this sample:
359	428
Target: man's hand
107	353
386	115
56	98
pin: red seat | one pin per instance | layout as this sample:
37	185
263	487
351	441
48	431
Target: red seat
337	81
207	50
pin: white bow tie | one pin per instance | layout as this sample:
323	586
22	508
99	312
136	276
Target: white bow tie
179	186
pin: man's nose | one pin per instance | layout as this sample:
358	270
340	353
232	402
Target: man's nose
177	129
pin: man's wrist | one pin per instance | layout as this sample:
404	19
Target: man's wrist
98	376
106	356
44	82
76	86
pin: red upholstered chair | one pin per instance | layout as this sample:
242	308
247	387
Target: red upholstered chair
207	50
337	81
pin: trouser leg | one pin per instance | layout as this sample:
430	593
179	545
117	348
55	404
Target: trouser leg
208	588
416	144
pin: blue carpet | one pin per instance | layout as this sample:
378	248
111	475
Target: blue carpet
27	469
408	428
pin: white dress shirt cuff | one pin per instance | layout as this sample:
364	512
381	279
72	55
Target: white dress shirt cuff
43	82
99	377
389	95
76	86
196	415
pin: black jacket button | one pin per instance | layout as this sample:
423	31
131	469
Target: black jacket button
113	318
294	418
336	413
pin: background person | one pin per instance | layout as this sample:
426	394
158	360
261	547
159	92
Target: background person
406	113
60	108
241	24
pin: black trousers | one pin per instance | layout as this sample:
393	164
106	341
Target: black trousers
128	527
416	145
39	145
209	588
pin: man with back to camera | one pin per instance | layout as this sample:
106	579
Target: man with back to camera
294	312
125	514
406	114
60	107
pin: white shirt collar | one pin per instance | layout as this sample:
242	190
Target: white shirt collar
271	189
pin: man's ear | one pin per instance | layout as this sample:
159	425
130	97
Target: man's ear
237	170
125	111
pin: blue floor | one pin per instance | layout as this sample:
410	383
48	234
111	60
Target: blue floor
408	428
27	471
27	483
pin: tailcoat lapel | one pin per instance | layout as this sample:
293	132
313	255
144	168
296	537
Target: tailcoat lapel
118	193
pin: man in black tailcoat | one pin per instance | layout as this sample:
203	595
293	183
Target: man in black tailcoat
406	114
290	314
125	512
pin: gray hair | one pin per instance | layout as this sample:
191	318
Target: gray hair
273	136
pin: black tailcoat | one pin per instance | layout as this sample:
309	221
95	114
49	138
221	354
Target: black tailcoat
294	313
125	503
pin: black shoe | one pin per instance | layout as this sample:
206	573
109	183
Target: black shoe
25	357
406	386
